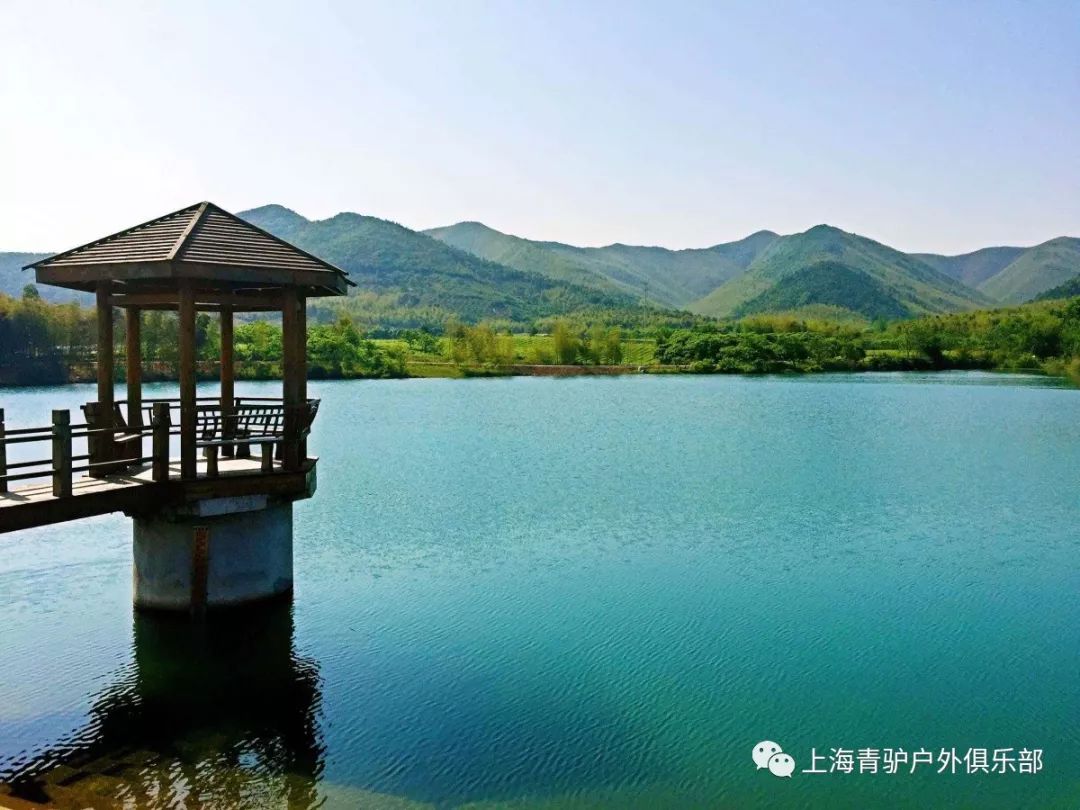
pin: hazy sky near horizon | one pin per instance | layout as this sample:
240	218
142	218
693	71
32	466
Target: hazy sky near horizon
929	126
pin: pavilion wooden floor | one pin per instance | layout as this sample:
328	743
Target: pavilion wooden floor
85	485
135	490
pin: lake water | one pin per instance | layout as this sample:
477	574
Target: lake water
592	592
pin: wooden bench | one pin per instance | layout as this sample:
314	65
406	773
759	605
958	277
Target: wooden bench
268	443
120	424
125	447
247	425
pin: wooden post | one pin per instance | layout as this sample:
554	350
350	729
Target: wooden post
294	372
301	403
188	466
3	455
97	443
61	453
133	349
161	423
243	450
105	370
228	398
211	453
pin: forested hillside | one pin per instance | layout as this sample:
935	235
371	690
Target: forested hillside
471	273
388	259
913	287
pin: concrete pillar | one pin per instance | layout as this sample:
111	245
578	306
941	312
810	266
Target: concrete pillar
214	553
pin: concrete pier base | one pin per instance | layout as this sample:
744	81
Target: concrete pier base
216	553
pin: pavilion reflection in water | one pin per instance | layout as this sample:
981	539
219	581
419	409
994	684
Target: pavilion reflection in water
214	714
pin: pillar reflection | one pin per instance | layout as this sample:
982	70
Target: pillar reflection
216	713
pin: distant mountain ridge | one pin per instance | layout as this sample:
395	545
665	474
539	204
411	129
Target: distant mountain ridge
973	268
912	287
387	258
1035	271
521	254
671	278
859	275
474	272
13	279
1069	289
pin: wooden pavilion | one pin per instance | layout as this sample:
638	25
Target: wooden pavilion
200	258
203	536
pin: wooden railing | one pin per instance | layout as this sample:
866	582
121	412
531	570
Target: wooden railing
114	446
62	462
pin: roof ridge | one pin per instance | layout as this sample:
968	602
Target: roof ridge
111	236
281	241
186	234
203	235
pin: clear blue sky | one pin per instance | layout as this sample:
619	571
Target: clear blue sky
940	126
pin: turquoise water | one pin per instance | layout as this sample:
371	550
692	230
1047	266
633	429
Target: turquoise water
592	592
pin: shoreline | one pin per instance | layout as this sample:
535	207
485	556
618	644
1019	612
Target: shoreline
419	371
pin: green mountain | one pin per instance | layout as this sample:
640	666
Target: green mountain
389	259
521	254
827	283
670	278
913	285
972	268
1069	289
13	278
1012	275
476	273
1035	271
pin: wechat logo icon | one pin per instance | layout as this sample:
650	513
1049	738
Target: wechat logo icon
768	754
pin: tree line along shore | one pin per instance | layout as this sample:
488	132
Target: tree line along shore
45	343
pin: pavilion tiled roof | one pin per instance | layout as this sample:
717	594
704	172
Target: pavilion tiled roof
201	234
